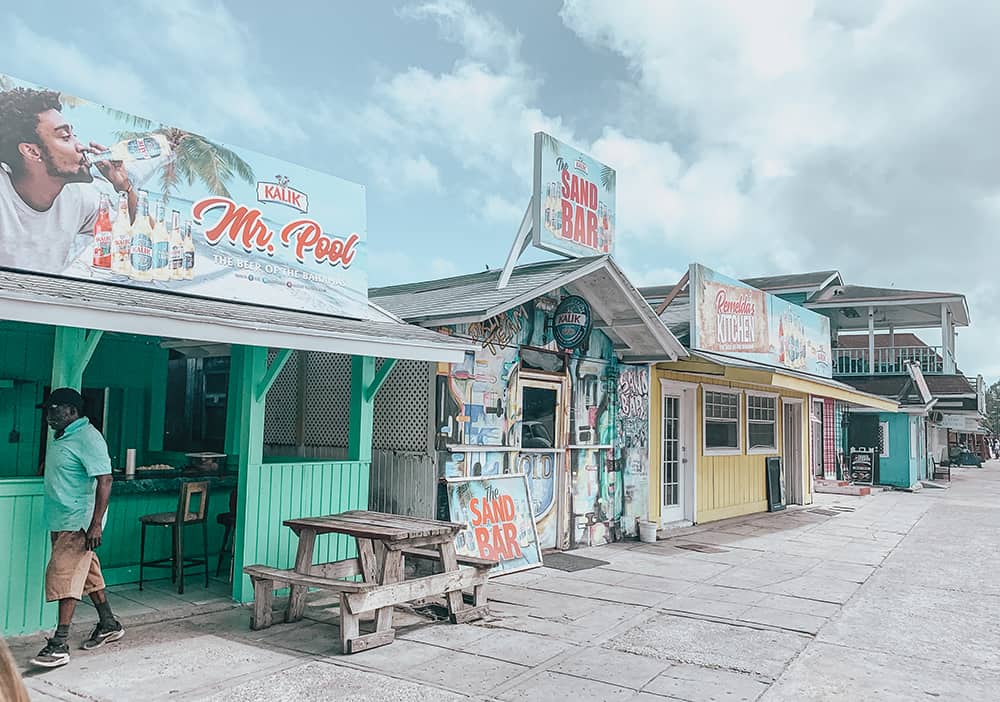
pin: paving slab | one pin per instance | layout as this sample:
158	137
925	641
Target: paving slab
793	621
826	672
317	681
713	644
514	647
152	669
701	684
613	667
549	686
464	672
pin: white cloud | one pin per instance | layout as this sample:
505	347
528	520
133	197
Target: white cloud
235	91
500	209
482	35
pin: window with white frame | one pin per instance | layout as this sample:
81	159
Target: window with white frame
883	439
762	413
722	421
914	437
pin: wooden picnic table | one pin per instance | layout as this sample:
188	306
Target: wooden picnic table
383	541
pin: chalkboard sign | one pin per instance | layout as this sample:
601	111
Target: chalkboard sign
862	466
775	485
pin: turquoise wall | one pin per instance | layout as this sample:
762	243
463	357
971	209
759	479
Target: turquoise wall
133	368
903	467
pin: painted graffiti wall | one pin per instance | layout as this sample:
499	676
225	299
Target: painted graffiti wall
633	443
586	459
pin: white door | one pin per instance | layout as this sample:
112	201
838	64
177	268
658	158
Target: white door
673	459
792	450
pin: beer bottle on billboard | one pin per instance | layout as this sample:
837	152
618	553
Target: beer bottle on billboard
139	149
188	252
102	235
141	249
121	238
161	246
176	247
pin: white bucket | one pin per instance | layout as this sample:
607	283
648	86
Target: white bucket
647	531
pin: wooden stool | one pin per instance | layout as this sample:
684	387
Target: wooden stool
183	517
228	520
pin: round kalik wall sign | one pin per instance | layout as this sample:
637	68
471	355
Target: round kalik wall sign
571	322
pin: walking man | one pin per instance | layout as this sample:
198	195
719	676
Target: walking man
77	489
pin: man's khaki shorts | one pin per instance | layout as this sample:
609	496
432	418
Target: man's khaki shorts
73	571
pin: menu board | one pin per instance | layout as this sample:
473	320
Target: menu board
862	466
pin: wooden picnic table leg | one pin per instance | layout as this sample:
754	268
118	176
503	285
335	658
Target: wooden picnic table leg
303	564
449	561
392	572
379	566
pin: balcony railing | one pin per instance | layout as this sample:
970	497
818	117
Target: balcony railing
888	361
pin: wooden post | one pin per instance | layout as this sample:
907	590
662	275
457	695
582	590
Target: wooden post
247	442
359	441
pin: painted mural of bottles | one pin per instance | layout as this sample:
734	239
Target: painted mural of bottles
189	261
121	239
160	270
141	248
176	247
102	235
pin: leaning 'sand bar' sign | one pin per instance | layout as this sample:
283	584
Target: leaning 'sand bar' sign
731	318
91	193
573	201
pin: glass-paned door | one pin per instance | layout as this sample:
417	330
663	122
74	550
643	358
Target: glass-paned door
540	457
671	460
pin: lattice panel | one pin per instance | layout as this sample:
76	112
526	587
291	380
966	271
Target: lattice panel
328	399
403	408
282	406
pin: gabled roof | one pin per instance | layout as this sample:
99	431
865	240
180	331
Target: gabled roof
29	297
904	309
804	282
893	385
792	282
864	293
619	309
474	295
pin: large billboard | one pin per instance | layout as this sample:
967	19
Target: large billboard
92	193
731	318
573	201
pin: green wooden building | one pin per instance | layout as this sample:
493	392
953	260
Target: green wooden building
165	375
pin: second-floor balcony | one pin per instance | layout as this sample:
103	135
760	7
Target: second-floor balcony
888	360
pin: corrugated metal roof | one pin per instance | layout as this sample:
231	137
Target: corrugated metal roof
470	295
47	300
892	385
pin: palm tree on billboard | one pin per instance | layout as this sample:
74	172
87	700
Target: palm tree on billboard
195	157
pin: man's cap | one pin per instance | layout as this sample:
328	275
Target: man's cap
63	396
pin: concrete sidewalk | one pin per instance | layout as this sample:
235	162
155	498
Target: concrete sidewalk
892	596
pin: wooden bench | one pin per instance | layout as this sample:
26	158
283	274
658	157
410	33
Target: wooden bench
266	580
482	566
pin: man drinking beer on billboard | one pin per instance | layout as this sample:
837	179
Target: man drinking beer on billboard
47	196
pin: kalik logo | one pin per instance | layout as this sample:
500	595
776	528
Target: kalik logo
281	193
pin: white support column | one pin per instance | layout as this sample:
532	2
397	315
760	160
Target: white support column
947	339
871	340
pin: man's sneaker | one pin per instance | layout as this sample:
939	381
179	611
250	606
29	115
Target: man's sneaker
55	654
102	635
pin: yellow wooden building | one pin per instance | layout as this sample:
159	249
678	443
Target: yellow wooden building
714	421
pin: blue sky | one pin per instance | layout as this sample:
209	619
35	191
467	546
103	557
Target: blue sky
756	138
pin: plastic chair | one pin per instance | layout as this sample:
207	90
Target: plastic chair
177	521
